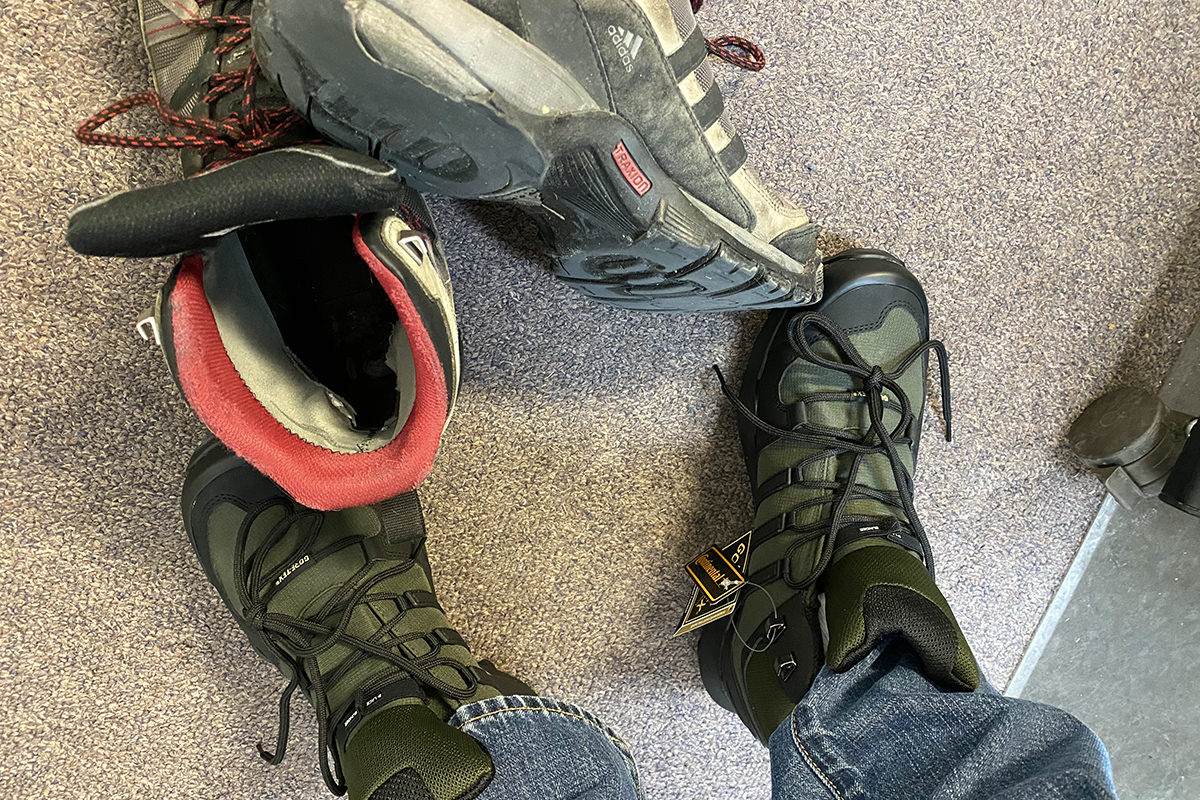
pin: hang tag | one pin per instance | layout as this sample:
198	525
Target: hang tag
715	574
702	611
738	553
715	571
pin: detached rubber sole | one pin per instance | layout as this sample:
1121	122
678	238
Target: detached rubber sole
461	106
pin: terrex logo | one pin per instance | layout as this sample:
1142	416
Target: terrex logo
288	572
628	44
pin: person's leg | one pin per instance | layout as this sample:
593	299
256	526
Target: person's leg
543	749
881	729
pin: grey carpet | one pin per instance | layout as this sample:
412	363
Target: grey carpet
1035	163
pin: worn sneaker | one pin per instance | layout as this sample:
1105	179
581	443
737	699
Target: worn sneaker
600	118
831	407
311	323
342	603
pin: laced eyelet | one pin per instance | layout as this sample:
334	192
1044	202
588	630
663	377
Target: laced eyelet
784	669
805	330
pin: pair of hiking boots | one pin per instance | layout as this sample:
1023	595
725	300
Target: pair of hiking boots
310	324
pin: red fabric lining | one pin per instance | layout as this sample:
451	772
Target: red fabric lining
317	477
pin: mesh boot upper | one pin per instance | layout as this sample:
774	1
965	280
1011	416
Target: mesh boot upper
343	604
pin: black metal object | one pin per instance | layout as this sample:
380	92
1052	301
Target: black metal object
1182	488
1144	445
1131	440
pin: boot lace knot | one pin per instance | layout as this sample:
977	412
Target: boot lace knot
323	624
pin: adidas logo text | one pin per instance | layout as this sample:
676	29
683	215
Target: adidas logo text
628	44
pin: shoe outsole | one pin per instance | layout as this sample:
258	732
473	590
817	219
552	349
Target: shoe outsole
618	227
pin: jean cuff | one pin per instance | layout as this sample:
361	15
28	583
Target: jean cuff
532	724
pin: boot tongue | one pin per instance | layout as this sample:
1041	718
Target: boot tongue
844	408
290	183
874	590
408	752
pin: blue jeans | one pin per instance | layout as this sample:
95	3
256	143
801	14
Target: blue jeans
880	730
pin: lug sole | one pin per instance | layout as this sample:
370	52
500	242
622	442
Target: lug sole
618	227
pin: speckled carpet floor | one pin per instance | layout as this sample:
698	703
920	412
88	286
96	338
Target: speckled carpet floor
1035	163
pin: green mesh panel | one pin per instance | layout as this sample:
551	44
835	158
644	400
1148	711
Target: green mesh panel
310	587
886	346
411	740
404	785
883	590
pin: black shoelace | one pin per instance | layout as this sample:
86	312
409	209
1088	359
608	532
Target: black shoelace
304	639
832	443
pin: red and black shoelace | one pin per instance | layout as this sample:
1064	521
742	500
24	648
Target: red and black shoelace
248	130
252	129
734	49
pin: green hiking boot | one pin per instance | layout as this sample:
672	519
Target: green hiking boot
342	603
831	407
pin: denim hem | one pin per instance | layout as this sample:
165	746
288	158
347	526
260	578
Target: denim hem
516	711
882	729
812	742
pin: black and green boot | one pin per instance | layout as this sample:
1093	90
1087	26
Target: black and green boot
831	407
342	603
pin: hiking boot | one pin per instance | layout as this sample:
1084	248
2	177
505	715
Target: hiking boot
343	604
600	118
830	419
310	323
